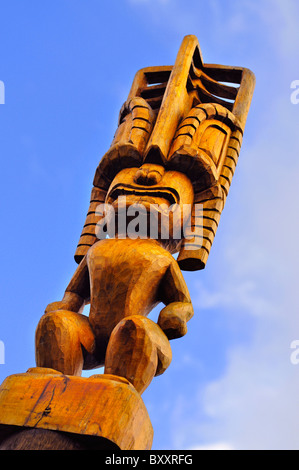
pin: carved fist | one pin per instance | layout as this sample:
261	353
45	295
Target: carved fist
70	301
173	319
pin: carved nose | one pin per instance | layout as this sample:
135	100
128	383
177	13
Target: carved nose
149	175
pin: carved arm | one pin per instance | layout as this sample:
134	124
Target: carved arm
174	294
77	293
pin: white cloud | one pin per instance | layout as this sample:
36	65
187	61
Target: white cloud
239	295
214	446
143	2
281	17
254	404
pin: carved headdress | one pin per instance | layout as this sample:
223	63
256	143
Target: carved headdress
189	117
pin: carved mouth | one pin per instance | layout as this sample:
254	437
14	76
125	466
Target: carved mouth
144	194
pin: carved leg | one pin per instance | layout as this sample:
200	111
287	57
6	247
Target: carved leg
61	337
137	350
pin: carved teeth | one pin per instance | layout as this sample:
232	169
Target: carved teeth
165	193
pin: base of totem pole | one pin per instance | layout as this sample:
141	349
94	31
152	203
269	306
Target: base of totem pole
43	409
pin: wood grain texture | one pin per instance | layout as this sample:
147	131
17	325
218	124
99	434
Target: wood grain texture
43	439
123	279
39	439
104	406
177	143
196	126
137	350
174	154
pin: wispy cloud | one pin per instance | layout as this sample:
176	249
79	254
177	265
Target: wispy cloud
253	405
214	446
142	2
228	22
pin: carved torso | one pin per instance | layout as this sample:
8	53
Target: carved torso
119	270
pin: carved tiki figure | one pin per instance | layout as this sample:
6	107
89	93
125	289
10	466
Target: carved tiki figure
177	144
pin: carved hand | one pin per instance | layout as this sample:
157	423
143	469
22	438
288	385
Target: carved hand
71	301
173	319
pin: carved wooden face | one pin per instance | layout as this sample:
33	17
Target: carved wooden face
166	196
182	123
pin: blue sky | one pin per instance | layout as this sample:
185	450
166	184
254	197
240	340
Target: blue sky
67	66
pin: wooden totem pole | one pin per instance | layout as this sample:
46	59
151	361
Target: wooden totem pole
172	161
